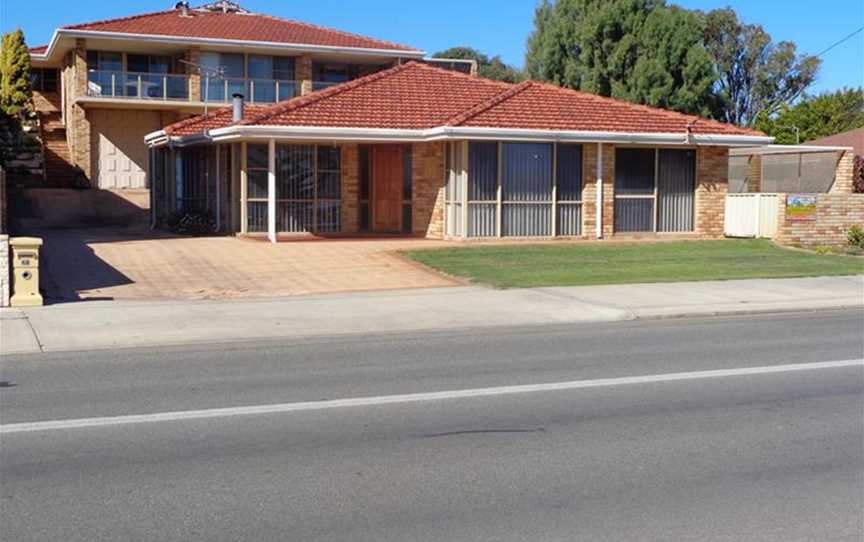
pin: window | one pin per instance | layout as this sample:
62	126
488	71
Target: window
569	190
271	78
227	76
104	73
526	189
654	189
44	79
308	188
256	191
483	189
510	189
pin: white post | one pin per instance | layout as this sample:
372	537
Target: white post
271	190
599	213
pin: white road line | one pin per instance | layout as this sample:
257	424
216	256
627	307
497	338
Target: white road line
81	423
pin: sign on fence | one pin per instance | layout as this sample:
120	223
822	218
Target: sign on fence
800	208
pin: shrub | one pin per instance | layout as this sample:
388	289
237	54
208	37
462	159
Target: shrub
855	236
822	250
15	93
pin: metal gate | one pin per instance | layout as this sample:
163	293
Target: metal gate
751	215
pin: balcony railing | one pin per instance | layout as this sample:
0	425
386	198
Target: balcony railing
255	90
176	87
145	86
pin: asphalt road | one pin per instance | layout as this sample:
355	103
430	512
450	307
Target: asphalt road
773	455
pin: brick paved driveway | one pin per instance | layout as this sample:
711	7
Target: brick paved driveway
108	264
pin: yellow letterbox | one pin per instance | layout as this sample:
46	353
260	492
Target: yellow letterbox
25	271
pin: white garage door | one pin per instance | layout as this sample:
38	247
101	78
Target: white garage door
118	140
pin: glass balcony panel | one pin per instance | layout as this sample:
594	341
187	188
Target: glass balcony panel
150	86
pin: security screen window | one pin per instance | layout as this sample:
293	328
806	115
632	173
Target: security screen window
526	189
482	189
634	189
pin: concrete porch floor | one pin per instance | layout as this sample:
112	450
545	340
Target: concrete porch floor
112	264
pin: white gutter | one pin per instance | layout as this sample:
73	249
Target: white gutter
219	42
787	149
445	133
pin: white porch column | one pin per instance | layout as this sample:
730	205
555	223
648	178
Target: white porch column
271	190
599	220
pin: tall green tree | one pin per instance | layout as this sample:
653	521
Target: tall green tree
637	50
490	68
756	76
543	18
15	92
816	116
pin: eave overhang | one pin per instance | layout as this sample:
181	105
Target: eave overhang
450	133
60	33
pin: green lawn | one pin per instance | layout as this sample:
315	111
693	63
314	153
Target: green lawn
530	265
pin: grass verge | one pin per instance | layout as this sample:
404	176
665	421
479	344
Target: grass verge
533	265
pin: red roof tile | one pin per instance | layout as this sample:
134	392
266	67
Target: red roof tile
235	26
419	96
38	49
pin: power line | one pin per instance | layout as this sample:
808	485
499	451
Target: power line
850	36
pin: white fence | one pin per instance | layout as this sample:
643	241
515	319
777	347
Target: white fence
751	215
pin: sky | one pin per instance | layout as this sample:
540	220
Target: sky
492	26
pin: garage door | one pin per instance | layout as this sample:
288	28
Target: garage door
118	140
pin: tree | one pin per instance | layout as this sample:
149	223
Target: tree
673	69
15	92
637	50
543	18
815	116
490	68
756	77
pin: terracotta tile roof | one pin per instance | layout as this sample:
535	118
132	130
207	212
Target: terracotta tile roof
852	138
38	49
218	118
419	96
235	26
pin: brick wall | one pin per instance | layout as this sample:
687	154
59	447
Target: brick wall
589	189
835	214
78	125
843	174
193	56
427	198
712	184
303	73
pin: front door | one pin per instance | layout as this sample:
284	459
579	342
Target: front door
387	188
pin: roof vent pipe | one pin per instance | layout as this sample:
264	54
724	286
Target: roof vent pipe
183	6
238	107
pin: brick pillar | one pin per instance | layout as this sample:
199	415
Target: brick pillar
193	55
712	184
303	74
843	173
754	173
427	190
589	189
608	190
79	138
350	188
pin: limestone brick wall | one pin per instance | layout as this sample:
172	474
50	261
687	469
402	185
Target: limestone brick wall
427	197
843	174
754	173
303	73
712	184
835	213
589	189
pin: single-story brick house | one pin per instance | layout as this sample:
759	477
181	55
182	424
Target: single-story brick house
421	150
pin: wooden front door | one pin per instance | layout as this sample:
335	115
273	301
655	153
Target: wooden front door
387	188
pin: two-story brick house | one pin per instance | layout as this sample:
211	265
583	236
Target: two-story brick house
102	86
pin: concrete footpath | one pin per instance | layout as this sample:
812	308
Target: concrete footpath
122	324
